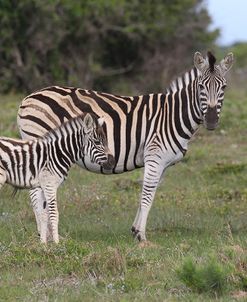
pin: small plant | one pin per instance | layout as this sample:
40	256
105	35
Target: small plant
210	277
243	281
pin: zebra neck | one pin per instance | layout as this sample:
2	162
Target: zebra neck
67	142
180	113
183	100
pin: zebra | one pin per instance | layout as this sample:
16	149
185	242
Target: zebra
150	131
44	162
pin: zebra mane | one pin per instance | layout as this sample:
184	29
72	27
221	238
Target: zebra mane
211	61
182	80
76	119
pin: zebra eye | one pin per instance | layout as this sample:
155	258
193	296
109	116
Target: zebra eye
224	87
201	86
97	142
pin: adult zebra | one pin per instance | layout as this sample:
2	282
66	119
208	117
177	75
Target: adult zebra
148	130
44	162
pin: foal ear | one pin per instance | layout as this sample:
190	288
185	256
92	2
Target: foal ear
226	63
101	121
199	61
88	121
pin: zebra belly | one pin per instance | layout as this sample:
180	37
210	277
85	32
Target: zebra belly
119	168
25	184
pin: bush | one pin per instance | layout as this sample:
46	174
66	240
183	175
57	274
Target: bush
210	277
98	43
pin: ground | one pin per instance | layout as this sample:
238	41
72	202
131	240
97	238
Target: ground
197	227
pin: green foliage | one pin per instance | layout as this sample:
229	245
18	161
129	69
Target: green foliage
240	51
8	125
94	43
208	277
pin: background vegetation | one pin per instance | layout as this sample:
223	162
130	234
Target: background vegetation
198	222
105	44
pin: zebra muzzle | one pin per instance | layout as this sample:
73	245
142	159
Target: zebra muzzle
211	118
110	163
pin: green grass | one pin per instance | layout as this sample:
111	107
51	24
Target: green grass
209	277
197	225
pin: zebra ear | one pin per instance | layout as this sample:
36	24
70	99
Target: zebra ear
88	121
101	121
199	62
226	63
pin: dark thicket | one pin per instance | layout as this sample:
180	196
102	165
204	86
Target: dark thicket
114	45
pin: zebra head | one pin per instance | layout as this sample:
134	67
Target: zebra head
96	146
211	85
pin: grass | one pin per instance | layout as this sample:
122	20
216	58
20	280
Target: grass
197	225
210	277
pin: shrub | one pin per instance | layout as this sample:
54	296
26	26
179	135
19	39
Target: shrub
209	277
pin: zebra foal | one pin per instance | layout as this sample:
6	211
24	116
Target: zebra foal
44	162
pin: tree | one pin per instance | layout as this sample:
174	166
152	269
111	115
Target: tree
105	44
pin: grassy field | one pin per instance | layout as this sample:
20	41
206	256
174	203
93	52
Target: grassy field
197	225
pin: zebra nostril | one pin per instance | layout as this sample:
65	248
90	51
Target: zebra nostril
211	118
111	160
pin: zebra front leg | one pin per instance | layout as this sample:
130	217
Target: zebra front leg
3	177
50	193
39	205
152	174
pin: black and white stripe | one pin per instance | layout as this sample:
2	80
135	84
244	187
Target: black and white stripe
148	130
44	163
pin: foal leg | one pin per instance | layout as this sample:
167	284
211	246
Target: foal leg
50	193
40	210
3	176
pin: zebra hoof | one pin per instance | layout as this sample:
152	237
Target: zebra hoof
136	233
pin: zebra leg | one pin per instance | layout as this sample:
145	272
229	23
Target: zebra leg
133	229
39	205
44	220
152	173
43	217
50	192
3	177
